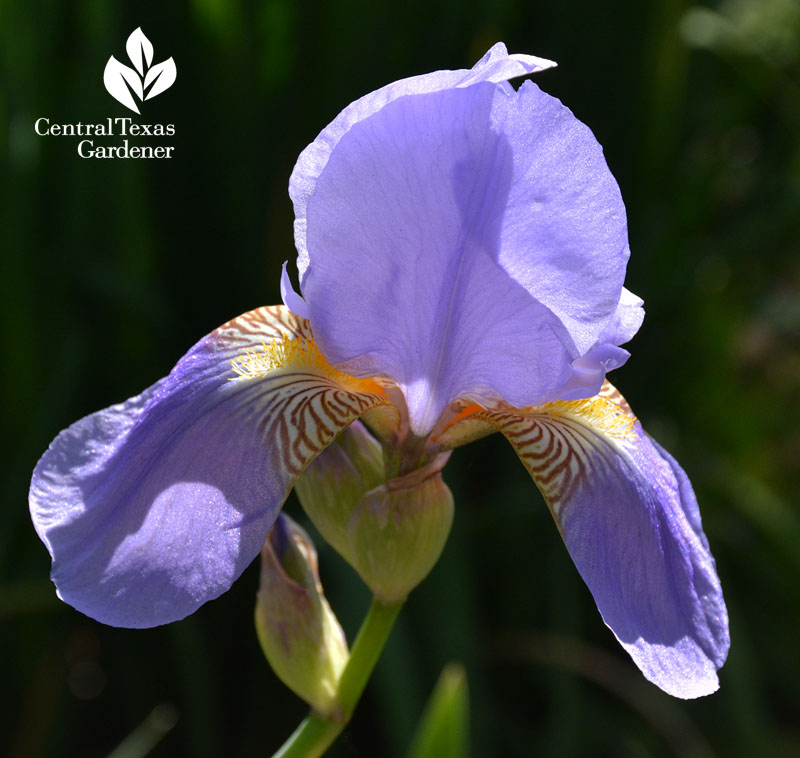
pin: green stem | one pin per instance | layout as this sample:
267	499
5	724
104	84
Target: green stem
317	732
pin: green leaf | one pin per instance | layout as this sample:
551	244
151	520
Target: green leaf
443	731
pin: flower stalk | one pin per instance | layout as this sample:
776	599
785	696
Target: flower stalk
316	732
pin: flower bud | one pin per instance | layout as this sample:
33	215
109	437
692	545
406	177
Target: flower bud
299	634
397	531
392	532
332	485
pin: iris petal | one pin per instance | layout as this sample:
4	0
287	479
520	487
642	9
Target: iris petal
496	66
152	507
290	298
463	240
564	235
625	322
629	519
589	371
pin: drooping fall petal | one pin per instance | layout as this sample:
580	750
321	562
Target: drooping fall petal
630	521
152	507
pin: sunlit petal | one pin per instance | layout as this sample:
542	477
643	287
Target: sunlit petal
460	240
629	519
152	507
495	66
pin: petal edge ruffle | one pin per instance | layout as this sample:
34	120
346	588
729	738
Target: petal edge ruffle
495	66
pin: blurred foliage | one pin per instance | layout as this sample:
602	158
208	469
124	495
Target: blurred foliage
443	731
110	270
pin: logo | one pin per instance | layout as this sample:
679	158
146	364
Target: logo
100	139
144	80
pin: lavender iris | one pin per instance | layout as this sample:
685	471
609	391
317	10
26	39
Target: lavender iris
462	251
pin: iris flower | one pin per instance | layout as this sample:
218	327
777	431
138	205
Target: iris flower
462	250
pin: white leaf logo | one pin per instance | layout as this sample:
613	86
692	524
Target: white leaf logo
144	80
140	50
161	76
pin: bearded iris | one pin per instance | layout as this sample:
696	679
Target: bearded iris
462	250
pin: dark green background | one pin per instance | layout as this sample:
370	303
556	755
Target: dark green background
110	270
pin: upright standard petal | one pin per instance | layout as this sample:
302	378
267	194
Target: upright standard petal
625	322
496	66
152	507
630	521
589	371
465	240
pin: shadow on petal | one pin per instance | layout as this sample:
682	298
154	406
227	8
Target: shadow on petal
152	507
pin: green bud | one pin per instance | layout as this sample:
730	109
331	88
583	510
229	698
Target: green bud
335	481
392	532
397	531
299	634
